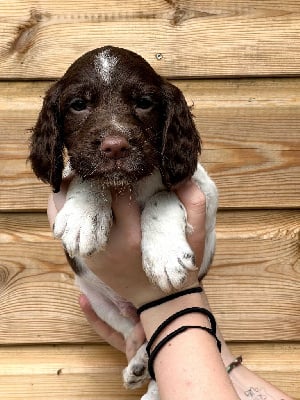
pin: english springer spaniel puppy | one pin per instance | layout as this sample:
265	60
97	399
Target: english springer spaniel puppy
112	122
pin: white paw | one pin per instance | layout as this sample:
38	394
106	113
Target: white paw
152	393
83	227
167	261
136	372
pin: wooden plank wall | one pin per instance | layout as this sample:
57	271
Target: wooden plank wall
238	62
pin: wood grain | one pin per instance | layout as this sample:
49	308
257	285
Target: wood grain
253	285
63	372
195	38
250	131
94	371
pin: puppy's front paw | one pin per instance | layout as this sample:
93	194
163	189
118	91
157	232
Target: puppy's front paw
82	228
136	373
167	262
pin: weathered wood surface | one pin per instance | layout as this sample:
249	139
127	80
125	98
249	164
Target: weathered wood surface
250	130
253	285
251	147
195	38
94	372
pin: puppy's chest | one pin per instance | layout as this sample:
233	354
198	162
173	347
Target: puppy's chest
147	187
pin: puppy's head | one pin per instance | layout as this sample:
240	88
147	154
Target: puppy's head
117	120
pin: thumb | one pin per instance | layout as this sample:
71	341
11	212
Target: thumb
194	202
56	202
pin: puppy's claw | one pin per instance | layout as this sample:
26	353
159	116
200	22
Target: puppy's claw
169	270
82	228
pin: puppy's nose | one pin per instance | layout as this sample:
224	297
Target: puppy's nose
115	147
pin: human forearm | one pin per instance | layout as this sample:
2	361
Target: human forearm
190	365
248	385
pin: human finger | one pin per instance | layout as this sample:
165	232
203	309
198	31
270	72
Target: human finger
51	210
56	201
195	204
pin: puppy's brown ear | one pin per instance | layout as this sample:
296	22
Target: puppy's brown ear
181	142
46	146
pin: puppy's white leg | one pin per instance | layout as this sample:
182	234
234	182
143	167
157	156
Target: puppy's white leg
84	222
167	257
103	301
136	373
152	392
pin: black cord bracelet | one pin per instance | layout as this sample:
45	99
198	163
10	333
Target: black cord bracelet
165	299
178	314
169	337
212	330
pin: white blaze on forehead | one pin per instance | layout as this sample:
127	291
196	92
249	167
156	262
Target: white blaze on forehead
104	64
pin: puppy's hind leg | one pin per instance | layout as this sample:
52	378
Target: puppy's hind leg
152	392
136	373
101	300
104	302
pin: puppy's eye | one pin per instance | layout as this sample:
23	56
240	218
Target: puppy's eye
144	103
78	105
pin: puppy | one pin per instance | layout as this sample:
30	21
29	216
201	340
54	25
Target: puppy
112	122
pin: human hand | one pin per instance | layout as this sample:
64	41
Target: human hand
120	265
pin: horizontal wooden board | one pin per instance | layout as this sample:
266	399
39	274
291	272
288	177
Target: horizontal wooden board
63	372
180	38
94	372
253	285
250	131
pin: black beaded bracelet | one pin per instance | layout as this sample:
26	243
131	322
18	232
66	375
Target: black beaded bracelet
235	363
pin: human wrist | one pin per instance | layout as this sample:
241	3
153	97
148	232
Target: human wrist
155	316
171	317
152	317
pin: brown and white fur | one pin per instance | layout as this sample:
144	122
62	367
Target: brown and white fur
112	121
